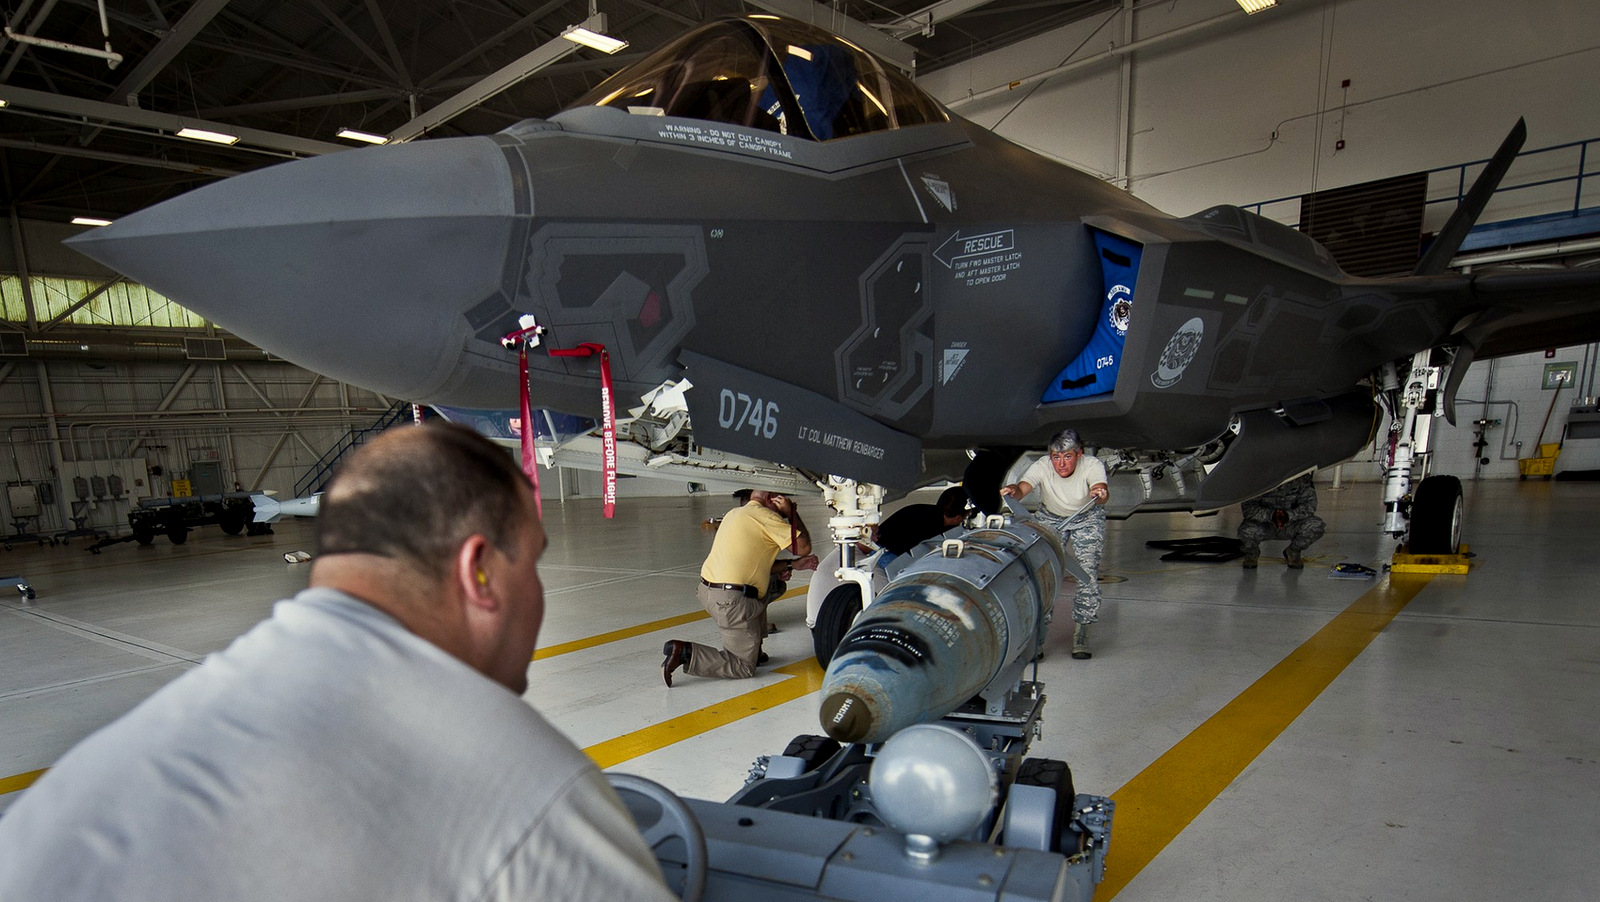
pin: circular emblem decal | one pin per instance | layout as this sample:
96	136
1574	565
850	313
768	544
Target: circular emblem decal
1180	351
1121	298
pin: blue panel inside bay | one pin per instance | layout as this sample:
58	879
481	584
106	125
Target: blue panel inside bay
1094	370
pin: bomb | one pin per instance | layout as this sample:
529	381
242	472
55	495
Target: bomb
959	622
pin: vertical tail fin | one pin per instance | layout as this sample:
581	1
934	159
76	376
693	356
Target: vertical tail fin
1455	231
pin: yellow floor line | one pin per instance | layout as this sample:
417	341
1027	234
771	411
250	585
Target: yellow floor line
616	635
1155	806
20	781
805	677
629	632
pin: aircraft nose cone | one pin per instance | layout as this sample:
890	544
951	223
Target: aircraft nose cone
356	265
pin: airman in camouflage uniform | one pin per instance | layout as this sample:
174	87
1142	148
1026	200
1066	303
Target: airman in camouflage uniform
1287	513
1073	489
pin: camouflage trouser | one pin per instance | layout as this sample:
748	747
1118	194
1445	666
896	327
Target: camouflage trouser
1299	534
1085	538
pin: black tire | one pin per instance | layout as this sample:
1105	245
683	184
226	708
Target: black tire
839	610
1436	516
813	750
232	525
143	537
1053	774
178	534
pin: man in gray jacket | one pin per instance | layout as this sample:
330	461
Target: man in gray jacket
367	741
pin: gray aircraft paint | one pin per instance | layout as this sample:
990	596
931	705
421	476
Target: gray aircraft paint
397	268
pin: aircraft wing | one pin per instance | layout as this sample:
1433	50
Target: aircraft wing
1532	310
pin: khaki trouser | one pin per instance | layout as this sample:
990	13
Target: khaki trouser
743	622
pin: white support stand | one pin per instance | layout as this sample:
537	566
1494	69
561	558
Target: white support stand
1408	463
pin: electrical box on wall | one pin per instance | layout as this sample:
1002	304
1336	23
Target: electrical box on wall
106	480
24	500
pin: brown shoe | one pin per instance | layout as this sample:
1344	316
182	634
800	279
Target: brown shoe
1292	555
1250	561
677	652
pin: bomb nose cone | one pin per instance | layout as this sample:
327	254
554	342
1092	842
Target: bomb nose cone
357	265
846	718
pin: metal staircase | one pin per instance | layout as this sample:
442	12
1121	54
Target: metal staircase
320	472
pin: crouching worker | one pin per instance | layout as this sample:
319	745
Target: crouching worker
367	741
734	583
1287	513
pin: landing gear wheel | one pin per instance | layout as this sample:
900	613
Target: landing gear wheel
662	817
838	611
1436	516
1053	774
813	750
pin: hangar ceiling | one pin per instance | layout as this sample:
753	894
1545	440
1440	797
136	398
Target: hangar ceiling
78	136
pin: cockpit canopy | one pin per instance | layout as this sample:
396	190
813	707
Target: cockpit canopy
772	74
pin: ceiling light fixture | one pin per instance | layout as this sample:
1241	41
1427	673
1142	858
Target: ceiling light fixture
577	34
90	221
1251	7
368	137
200	134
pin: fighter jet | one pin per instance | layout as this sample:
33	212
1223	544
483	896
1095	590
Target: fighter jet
842	276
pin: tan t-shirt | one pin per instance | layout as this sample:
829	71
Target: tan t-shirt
1063	496
747	543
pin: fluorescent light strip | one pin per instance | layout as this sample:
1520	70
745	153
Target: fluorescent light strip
368	137
90	221
1251	7
200	134
577	34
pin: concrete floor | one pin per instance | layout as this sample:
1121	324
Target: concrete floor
1457	756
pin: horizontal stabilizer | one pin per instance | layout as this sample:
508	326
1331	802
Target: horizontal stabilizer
1269	450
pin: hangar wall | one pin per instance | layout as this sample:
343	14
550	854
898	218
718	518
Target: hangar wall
1213	106
1251	107
260	425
